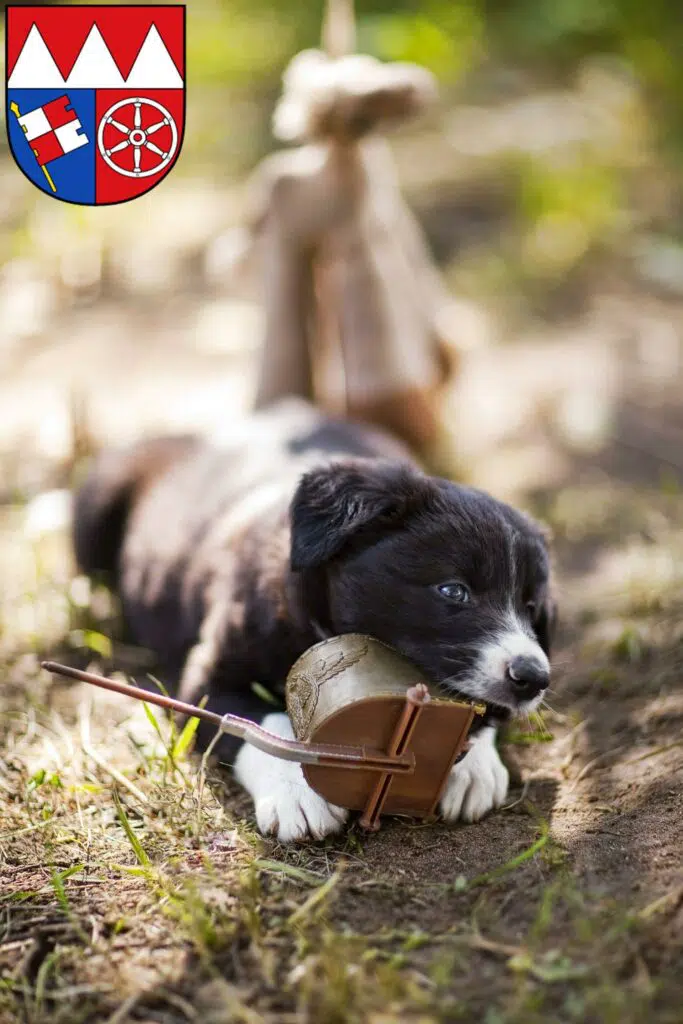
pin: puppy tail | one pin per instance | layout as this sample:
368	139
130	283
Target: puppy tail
106	496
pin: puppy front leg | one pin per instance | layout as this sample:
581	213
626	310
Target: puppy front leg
284	803
477	783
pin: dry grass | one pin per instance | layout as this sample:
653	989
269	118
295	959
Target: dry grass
134	888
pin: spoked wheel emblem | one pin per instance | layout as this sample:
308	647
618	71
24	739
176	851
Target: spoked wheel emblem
139	137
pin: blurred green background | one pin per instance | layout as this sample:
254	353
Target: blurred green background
548	181
570	109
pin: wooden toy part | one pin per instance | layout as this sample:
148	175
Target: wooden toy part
352	688
354	704
323	754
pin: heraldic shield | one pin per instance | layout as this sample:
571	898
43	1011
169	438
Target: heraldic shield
95	97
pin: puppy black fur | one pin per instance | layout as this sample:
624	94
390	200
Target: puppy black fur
232	560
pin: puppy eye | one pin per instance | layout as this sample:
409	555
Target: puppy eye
457	592
531	607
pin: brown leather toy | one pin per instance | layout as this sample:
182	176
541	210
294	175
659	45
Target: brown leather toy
370	736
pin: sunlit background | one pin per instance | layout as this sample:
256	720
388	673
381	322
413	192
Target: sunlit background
549	184
548	181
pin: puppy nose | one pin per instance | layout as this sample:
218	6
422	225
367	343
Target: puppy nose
528	677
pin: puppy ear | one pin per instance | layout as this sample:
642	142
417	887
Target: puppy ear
545	622
336	503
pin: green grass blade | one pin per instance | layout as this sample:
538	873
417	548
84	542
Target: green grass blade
151	717
138	848
182	744
265	695
275	867
60	891
315	900
514	863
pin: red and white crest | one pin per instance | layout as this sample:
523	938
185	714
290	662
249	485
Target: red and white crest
95	97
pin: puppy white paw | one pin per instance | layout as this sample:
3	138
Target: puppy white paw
478	783
284	803
296	812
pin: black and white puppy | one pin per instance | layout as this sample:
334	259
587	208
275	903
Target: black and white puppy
232	560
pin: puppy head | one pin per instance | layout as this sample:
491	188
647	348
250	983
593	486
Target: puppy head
456	581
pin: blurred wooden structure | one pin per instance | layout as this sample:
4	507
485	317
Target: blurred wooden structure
357	317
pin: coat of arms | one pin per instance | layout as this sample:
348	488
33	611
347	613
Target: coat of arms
95	97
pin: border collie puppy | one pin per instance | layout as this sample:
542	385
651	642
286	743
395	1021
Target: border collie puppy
231	560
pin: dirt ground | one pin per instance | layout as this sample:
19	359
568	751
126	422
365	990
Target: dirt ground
133	886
